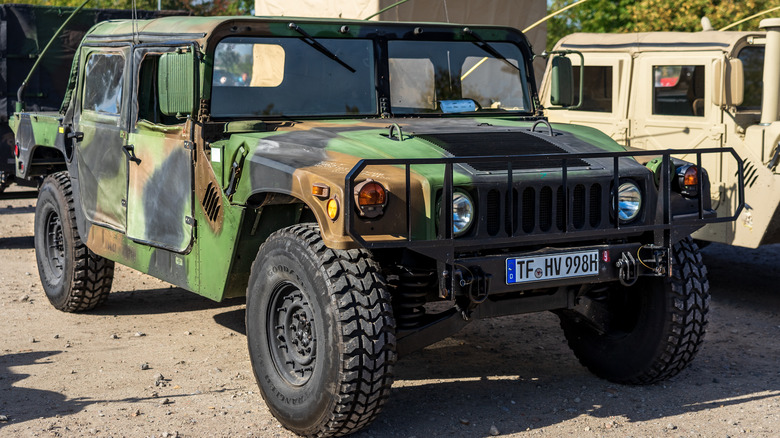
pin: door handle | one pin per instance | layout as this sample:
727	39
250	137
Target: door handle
129	150
76	135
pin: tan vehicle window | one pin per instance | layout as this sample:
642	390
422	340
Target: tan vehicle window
678	90
103	83
597	92
753	64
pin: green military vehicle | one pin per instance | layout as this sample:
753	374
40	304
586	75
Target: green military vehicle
371	188
695	90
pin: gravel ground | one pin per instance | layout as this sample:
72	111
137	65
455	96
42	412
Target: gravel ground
160	361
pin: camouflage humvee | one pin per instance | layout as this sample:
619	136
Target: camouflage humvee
345	175
698	90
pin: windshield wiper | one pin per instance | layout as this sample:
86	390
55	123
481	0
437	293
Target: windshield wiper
482	44
308	39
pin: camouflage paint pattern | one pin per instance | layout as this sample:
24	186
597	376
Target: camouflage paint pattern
169	214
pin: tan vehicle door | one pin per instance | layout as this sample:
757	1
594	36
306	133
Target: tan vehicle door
673	106
605	94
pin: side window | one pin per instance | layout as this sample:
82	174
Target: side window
678	90
753	67
148	93
103	83
597	91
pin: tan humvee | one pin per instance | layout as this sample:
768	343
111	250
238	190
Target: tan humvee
699	90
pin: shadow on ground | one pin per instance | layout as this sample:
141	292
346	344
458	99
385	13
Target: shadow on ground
30	404
23	242
159	301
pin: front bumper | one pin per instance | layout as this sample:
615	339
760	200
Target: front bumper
477	277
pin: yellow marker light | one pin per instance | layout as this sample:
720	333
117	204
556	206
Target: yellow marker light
320	190
333	208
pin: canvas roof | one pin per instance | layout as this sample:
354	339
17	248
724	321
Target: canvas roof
727	42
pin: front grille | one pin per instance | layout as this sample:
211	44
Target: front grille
544	209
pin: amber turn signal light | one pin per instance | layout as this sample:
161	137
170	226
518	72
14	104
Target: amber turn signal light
691	176
688	180
371	198
372	193
320	190
333	208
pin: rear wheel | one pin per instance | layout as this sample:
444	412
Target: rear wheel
321	333
74	278
653	329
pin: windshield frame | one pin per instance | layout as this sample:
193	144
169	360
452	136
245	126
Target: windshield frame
380	33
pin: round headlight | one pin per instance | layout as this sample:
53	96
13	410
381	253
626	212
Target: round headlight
462	212
629	201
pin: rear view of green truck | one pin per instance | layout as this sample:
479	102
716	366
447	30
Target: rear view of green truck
343	176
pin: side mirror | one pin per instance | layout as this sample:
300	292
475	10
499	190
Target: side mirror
561	82
730	90
176	83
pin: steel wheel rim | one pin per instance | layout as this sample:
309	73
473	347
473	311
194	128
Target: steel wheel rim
54	244
291	334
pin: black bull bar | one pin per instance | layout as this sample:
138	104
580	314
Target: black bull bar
444	246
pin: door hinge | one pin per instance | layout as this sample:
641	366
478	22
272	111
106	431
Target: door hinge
189	220
189	145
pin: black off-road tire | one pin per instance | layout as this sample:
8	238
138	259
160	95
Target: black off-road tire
656	326
74	278
321	333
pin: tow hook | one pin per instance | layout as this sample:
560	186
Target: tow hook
473	283
628	269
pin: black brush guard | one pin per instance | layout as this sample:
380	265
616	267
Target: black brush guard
445	246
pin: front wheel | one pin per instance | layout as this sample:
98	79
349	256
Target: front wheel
321	333
74	278
653	329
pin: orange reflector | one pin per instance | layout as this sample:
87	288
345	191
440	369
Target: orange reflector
333	209
691	177
320	190
372	193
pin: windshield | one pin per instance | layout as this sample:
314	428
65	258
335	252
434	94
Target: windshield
456	77
288	77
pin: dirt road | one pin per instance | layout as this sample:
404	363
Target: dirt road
159	361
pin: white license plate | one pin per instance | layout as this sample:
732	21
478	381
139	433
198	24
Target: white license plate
552	267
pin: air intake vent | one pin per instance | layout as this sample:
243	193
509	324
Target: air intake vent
211	204
497	144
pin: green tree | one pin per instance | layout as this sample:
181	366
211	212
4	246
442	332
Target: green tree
652	15
592	16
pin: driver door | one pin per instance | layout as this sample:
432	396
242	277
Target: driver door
159	151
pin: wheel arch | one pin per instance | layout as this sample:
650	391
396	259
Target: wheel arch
266	212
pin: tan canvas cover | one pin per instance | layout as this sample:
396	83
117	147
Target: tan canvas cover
514	13
728	42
